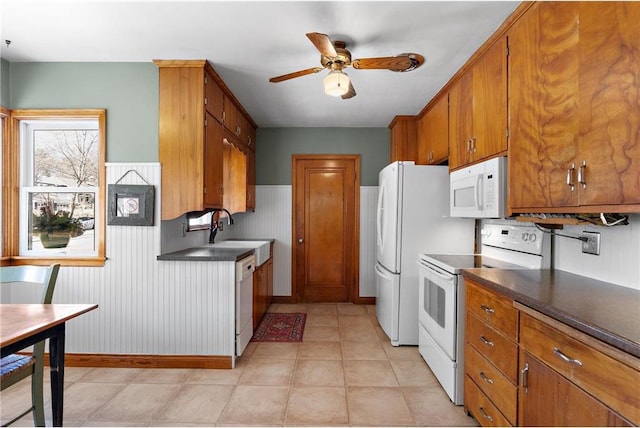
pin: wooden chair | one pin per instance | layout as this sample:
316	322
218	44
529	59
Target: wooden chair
16	367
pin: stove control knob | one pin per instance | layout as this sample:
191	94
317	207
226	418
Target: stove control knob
485	232
532	237
525	237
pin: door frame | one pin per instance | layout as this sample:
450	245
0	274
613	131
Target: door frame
354	291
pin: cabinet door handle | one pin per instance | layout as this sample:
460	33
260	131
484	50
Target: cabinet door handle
524	377
485	378
566	359
487	309
469	145
473	144
570	176
484	415
582	173
486	341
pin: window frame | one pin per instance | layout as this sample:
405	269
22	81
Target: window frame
4	130
12	174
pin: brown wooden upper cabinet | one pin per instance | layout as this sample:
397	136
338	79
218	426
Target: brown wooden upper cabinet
214	98
192	109
189	150
403	139
574	115
433	132
251	181
478	109
236	122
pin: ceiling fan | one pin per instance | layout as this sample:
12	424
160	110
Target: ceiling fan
335	57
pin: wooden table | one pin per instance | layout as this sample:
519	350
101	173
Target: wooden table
24	325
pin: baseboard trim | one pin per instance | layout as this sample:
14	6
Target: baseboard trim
147	361
357	300
283	299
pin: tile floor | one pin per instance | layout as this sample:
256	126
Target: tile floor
344	373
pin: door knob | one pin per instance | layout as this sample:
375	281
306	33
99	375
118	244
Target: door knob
300	240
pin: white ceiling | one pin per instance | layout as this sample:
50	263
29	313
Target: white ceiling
249	42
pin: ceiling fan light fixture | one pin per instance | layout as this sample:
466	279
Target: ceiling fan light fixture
336	83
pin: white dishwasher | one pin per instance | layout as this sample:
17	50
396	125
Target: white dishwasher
244	302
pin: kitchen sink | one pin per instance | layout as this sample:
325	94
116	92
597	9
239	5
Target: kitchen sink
261	248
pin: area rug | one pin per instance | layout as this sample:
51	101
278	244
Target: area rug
277	327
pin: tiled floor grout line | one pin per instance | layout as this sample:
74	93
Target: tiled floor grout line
399	360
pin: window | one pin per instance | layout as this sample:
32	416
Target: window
61	182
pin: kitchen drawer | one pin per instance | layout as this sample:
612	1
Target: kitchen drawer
492	382
495	310
481	407
614	383
495	347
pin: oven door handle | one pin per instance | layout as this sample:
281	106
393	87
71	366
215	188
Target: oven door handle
444	275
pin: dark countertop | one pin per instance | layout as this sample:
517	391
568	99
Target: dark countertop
207	254
608	312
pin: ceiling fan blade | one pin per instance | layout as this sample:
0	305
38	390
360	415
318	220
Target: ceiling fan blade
394	63
351	93
295	74
323	43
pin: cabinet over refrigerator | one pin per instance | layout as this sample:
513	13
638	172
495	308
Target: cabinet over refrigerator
412	218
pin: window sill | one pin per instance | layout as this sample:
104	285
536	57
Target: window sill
45	261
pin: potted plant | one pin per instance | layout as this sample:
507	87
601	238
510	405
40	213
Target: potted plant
56	228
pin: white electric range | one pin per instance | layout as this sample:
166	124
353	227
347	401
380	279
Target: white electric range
442	294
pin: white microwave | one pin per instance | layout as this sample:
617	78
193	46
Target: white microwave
479	191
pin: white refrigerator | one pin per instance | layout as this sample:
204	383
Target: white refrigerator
412	218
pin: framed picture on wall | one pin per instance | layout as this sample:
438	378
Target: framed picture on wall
130	205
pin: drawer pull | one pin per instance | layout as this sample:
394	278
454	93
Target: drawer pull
486	341
564	358
485	378
487	309
484	415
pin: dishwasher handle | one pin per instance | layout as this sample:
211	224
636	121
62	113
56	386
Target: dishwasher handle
245	267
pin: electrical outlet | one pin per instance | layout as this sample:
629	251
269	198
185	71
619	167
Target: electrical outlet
592	243
220	225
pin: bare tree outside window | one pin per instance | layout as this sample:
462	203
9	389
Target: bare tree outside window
67	158
64	179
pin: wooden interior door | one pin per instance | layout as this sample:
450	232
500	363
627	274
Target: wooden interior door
326	195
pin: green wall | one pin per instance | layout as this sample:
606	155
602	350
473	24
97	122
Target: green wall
4	83
129	92
276	145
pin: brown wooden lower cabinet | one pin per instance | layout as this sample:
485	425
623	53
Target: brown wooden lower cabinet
549	399
543	373
480	407
262	290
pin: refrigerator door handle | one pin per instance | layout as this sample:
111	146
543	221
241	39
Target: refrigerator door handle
384	274
379	215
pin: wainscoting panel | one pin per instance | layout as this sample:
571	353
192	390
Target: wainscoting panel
271	220
148	306
368	205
